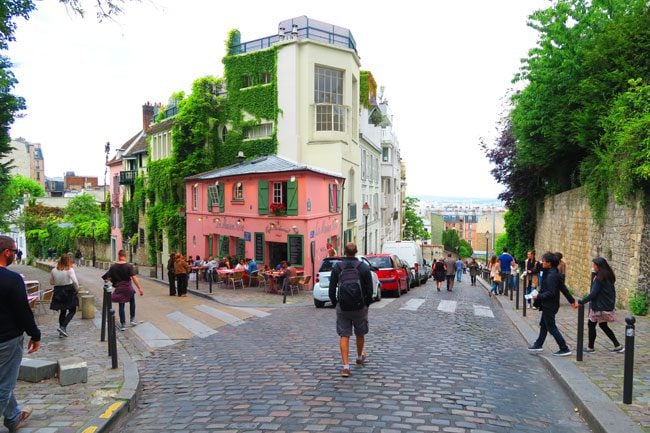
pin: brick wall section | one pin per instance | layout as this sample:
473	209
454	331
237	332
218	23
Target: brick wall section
564	224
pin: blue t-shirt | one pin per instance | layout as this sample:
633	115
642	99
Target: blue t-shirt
459	265
252	266
505	260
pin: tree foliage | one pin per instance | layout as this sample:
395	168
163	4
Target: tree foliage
13	196
413	224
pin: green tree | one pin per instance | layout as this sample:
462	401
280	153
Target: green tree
12	197
83	211
413	224
450	240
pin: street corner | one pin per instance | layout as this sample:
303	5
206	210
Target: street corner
107	417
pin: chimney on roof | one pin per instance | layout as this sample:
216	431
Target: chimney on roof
147	116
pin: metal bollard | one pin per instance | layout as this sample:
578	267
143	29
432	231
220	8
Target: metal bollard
628	370
112	338
517	297
210	282
197	280
581	332
524	304
510	285
106	302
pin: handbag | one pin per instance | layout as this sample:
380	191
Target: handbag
497	278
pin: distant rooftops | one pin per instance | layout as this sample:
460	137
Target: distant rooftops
300	28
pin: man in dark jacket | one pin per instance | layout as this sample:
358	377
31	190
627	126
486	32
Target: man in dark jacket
16	318
171	275
549	302
357	319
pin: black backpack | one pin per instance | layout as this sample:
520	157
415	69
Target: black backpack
350	294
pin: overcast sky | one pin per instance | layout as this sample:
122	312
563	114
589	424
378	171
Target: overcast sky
445	68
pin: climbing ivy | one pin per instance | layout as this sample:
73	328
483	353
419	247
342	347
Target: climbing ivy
367	87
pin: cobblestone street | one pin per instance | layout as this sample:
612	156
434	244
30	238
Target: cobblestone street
455	366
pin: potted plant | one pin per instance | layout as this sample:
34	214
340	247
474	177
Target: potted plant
278	209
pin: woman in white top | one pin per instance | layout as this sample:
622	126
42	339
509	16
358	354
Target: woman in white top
64	298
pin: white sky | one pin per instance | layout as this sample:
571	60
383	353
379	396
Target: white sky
445	67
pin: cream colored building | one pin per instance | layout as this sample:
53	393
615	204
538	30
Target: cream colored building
27	160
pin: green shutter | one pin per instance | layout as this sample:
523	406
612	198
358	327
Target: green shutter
224	246
292	198
222	205
210	245
263	197
339	198
209	200
331	195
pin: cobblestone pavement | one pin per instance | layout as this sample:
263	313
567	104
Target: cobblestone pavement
432	366
64	409
603	368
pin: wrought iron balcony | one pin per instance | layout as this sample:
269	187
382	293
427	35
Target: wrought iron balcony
127	177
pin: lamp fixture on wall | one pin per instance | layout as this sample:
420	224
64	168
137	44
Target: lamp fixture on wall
238	221
217	220
295	229
216	183
196	185
272	226
293	178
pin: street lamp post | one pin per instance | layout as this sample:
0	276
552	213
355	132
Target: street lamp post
366	211
487	246
92	226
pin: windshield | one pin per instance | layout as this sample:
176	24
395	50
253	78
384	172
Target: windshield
328	264
380	262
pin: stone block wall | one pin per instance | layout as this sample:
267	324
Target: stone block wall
564	224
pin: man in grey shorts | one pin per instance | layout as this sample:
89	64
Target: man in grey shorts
356	319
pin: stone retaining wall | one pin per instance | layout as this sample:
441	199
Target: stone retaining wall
564	224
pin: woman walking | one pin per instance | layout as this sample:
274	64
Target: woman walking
473	271
439	272
64	298
181	270
122	276
495	274
602	299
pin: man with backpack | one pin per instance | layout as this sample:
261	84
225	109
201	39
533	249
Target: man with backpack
350	291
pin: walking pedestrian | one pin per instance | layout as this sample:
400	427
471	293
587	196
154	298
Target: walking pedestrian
561	267
602	303
450	269
16	318
171	276
549	300
439	272
505	259
532	268
19	256
473	271
122	276
514	273
459	269
78	257
495	274
64	296
181	270
350	291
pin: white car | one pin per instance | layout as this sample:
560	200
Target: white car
322	283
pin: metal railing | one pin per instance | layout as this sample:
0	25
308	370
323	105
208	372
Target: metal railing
127	177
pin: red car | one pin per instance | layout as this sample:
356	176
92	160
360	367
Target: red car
391	271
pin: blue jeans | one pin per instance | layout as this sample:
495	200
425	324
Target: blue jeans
11	354
131	310
459	274
547	325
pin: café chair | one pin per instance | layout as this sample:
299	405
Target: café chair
254	277
237	278
304	281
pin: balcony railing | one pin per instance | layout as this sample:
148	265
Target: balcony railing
352	211
127	177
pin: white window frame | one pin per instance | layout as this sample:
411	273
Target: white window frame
213	195
238	191
195	196
330	113
277	193
263	130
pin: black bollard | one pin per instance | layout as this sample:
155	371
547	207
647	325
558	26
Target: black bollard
524	303
510	285
628	370
517	297
581	332
112	339
210	282
106	301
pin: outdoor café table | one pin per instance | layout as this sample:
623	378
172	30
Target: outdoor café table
197	270
224	274
273	278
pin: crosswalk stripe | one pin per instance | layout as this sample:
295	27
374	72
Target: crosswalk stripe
382	303
448	306
194	326
482	310
221	315
252	311
153	336
413	304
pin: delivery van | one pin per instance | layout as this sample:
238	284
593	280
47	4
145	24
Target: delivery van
411	252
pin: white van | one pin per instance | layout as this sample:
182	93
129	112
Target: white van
411	252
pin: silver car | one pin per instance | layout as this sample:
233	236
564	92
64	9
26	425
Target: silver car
322	283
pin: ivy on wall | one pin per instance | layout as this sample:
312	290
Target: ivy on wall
367	87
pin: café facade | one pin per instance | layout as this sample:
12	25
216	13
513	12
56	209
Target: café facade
268	208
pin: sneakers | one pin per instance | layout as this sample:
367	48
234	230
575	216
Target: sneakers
620	349
362	360
563	352
345	372
588	350
62	331
122	327
134	322
22	418
534	348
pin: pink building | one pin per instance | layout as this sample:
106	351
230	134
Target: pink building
269	209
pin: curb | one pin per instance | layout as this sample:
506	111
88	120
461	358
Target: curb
123	403
600	412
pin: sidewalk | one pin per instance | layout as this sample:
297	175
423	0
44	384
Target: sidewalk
596	383
109	393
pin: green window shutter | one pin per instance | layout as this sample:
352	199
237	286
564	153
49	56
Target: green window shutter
331	195
263	197
222	205
224	246
209	200
292	198
338	198
210	245
259	247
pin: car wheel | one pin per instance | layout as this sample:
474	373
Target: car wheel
399	290
417	280
378	297
319	304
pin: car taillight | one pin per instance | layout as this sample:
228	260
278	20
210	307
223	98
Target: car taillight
417	266
317	278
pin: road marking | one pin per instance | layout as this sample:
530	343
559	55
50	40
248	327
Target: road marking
153	336
482	310
221	315
252	311
194	326
448	306
111	410
382	303
413	304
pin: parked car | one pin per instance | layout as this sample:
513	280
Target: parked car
322	283
427	269
412	279
411	252
392	273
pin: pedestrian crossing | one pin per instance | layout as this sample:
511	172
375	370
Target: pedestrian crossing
444	306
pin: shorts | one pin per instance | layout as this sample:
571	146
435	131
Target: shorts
346	320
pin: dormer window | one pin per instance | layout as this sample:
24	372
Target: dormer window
238	191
